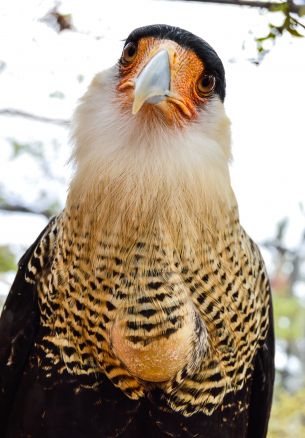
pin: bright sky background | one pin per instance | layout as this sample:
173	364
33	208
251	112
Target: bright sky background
265	103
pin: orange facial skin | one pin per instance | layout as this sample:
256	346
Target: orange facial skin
186	70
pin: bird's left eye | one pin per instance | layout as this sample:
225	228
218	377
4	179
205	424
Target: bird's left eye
206	85
129	53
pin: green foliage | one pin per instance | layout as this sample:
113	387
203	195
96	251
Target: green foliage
2	198
289	318
281	229
57	94
288	411
288	415
290	24
52	209
7	259
35	149
301	12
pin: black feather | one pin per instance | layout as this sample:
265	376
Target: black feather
18	327
262	386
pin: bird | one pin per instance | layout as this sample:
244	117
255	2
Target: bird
143	308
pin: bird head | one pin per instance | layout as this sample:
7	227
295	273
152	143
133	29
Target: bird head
166	77
169	73
154	127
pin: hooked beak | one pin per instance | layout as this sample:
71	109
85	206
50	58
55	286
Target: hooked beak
153	83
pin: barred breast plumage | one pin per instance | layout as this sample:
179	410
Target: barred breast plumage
143	309
152	293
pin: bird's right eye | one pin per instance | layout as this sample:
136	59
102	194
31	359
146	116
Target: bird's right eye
129	53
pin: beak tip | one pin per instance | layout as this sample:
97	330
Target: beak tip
135	108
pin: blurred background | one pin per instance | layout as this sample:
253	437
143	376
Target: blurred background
49	51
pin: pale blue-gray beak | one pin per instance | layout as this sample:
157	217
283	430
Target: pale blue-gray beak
153	83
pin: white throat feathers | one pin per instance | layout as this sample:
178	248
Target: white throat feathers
137	176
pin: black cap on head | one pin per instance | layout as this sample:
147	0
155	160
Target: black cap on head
188	40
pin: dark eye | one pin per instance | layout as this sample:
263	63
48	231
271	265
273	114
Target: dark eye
129	53
206	85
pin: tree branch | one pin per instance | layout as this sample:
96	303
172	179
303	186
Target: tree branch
297	22
269	244
22	209
17	113
254	4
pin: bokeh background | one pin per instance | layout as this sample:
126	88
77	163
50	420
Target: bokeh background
49	51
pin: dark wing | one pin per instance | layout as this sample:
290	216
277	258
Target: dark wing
18	326
262	385
80	406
